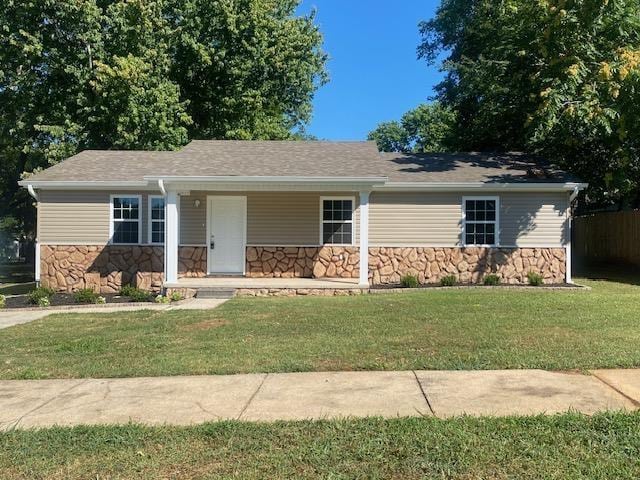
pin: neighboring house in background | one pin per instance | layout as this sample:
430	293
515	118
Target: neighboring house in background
298	209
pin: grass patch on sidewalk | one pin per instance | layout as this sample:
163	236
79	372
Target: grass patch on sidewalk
558	447
437	329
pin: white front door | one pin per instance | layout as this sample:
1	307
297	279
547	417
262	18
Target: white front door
226	232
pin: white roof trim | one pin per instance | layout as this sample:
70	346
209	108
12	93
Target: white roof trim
377	183
489	186
82	184
268	179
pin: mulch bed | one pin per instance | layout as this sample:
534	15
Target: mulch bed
395	286
65	299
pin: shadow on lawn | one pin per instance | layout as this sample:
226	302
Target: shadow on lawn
615	272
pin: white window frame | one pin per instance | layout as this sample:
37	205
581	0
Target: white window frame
496	222
352	221
112	220
150	220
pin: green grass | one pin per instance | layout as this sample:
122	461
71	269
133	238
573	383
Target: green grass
565	446
16	278
437	329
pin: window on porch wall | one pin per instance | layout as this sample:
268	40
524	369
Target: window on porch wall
337	221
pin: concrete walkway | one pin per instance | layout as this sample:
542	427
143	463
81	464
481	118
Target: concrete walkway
17	316
315	395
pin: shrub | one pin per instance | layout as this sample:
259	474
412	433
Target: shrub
491	279
162	299
86	295
127	290
176	296
101	300
44	302
535	279
448	281
135	294
409	281
35	295
138	295
3	301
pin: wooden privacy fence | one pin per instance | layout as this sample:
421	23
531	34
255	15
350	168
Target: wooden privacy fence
611	236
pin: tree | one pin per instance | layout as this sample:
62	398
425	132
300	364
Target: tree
558	77
391	137
147	74
427	128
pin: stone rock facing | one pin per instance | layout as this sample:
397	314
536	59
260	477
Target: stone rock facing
192	262
468	264
306	262
68	268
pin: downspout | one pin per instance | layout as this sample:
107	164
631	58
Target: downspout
163	191
161	188
34	194
568	250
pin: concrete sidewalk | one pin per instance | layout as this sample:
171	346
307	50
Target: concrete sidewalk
17	316
314	395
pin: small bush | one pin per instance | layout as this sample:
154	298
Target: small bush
138	295
535	279
163	299
135	294
3	301
35	295
101	300
176	296
44	302
491	279
448	281
86	295
409	281
127	290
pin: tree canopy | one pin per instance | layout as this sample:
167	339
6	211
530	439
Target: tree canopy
147	74
558	77
427	128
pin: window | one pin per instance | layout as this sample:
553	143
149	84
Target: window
480	220
125	219
337	220
156	219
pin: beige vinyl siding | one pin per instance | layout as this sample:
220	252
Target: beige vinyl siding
527	219
193	220
534	219
80	217
73	217
415	218
273	218
293	218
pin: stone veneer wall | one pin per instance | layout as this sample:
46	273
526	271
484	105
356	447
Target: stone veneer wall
67	268
106	268
192	262
295	262
469	264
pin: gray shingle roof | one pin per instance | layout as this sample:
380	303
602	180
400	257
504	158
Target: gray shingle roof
299	158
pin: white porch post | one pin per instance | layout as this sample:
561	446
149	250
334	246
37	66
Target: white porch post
364	239
171	237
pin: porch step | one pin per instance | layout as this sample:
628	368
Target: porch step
215	292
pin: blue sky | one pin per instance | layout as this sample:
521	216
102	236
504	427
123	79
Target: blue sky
375	74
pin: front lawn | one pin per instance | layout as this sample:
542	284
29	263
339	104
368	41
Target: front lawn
558	447
444	329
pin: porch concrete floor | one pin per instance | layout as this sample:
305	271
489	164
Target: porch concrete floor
244	282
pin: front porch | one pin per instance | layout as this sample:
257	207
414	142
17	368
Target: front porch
300	235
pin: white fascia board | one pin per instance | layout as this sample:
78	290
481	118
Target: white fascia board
458	186
84	185
268	179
